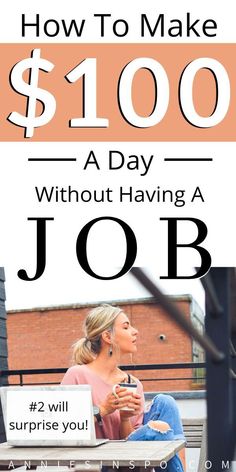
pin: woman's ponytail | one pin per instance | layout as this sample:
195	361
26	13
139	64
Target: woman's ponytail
82	352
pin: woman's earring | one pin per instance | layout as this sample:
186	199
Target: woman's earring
110	351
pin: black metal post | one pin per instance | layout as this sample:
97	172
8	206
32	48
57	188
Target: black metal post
233	364
233	351
219	391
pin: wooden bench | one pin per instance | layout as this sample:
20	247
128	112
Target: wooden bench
196	437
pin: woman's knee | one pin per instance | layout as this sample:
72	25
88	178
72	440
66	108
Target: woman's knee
165	400
161	426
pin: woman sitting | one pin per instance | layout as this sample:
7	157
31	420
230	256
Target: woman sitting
108	335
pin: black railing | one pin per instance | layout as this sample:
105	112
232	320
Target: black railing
5	374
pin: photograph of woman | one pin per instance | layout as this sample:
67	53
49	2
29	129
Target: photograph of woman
119	411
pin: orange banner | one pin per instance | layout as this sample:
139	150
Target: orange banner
128	92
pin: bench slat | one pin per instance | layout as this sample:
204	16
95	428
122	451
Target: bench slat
193	431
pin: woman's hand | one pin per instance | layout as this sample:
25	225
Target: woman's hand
125	399
135	405
112	403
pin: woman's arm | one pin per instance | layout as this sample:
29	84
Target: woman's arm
134	402
125	427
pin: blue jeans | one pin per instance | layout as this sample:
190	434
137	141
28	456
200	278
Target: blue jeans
163	408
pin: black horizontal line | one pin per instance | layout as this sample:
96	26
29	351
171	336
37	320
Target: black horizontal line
51	159
186	159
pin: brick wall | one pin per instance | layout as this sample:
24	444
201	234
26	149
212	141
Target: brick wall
42	338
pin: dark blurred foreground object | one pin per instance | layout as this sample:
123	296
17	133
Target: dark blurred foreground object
219	342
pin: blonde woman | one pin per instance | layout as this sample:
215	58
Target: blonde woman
108	335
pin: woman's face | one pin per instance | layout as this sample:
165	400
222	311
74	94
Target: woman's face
124	335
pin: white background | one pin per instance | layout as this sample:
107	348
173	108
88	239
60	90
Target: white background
10	21
29	423
64	282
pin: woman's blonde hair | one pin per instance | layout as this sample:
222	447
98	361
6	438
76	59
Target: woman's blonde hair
98	320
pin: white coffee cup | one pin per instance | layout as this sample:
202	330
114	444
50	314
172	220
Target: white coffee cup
130	387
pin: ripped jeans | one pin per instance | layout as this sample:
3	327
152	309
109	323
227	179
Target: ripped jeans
162	408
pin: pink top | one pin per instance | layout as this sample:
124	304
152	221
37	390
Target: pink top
81	374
